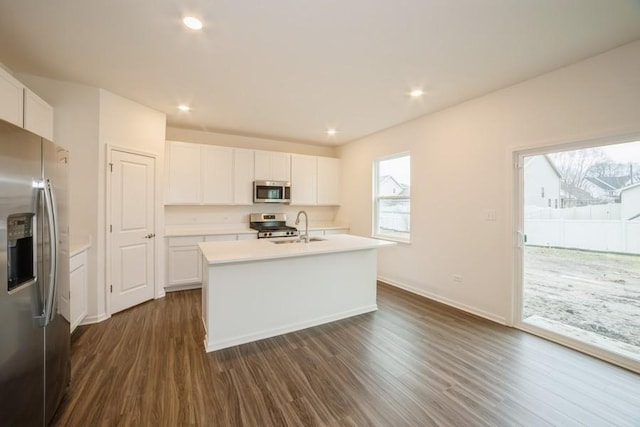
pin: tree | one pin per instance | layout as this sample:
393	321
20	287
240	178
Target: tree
613	169
574	165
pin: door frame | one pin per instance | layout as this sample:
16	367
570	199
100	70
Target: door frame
158	291
516	154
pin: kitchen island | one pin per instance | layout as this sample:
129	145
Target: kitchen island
255	289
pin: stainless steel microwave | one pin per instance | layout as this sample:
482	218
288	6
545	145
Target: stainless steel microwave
271	192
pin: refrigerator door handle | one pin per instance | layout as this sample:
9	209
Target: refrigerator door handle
50	205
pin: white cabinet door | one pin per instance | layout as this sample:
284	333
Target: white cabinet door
11	99
281	166
183	173
184	263
78	288
304	180
262	166
272	166
217	175
328	181
38	115
243	177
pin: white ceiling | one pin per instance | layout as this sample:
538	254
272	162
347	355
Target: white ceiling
288	69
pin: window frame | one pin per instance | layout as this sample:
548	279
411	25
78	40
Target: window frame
375	231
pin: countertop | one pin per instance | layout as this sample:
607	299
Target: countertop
212	230
77	245
263	249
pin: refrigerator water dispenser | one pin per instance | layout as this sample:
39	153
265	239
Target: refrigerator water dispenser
20	250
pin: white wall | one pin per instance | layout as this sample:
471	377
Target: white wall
86	120
462	166
127	124
198	216
75	127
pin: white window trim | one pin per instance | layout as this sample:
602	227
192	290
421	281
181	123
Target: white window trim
374	232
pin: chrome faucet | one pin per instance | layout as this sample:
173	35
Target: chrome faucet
306	225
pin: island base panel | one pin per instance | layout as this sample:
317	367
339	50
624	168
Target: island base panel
249	301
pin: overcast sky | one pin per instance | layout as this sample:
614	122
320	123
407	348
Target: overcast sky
624	153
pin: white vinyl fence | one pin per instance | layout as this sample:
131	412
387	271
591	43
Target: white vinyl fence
596	235
606	211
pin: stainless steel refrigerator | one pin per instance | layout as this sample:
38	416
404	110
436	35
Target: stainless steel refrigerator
34	277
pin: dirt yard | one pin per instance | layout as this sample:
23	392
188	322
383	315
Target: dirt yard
596	292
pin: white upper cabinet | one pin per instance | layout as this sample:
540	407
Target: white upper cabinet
22	107
315	180
304	180
272	166
11	99
183	174
199	174
243	170
38	115
217	175
328	181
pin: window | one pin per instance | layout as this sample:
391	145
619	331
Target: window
392	197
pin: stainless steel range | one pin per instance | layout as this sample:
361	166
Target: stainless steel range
272	225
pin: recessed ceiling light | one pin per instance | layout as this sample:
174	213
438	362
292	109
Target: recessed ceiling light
193	23
416	93
184	108
331	132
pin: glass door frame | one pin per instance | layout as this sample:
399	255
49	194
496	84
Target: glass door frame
517	247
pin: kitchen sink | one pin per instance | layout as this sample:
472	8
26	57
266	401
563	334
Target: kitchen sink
311	239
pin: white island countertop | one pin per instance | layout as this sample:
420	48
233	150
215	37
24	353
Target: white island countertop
263	249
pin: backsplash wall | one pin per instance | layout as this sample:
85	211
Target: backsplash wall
185	216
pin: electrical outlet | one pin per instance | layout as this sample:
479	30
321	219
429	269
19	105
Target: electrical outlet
490	215
457	278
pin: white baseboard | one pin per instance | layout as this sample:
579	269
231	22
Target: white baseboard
218	345
183	287
447	301
94	319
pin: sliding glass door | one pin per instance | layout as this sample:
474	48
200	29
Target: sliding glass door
579	248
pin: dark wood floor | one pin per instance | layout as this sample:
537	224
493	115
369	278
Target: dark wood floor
414	362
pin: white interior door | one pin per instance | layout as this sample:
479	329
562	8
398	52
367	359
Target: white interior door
132	229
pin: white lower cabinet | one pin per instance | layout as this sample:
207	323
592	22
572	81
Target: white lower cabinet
184	263
77	288
184	259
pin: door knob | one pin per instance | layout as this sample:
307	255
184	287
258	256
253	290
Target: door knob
149	236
